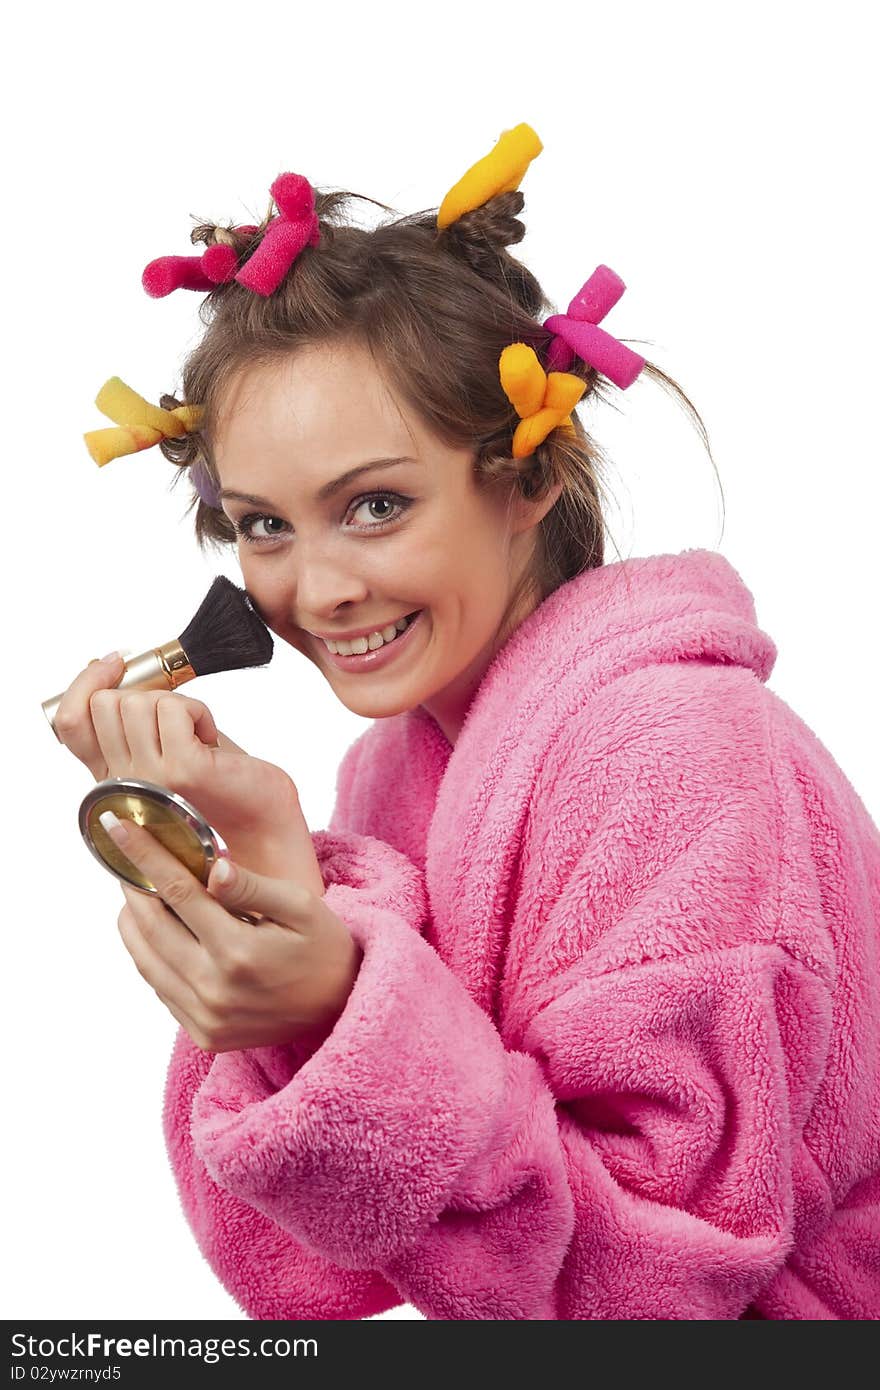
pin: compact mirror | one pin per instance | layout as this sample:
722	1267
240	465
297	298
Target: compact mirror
174	822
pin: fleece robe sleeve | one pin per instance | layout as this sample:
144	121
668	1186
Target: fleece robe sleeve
411	1143
270	1273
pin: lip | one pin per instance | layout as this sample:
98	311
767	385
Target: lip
372	661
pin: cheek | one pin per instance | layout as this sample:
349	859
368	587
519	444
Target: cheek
266	598
279	624
274	601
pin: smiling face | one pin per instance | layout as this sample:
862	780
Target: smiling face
412	535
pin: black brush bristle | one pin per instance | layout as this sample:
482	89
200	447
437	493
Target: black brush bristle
226	633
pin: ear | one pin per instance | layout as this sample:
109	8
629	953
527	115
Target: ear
527	512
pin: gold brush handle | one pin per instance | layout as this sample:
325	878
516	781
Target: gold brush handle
161	668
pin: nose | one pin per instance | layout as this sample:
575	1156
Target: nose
323	586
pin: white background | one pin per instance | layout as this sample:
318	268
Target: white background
719	162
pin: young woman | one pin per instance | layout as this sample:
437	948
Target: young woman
572	1011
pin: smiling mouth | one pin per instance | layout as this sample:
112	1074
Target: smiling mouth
407	621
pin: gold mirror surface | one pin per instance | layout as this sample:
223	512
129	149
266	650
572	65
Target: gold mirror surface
168	828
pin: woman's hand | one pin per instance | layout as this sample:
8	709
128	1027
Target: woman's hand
233	984
165	737
75	727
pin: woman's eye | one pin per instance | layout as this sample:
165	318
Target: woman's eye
392	505
245	527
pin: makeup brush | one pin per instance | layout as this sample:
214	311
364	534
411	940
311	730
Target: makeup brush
226	634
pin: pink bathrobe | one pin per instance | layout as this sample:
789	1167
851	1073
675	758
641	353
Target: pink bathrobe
613	1048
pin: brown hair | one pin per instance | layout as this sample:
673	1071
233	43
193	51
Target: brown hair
435	308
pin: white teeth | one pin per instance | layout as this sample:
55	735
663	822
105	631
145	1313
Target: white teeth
374	640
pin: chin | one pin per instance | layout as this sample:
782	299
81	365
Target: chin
378	707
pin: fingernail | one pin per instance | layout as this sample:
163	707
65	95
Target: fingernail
111	658
223	870
114	827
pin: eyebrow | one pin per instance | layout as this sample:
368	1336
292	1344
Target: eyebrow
328	490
